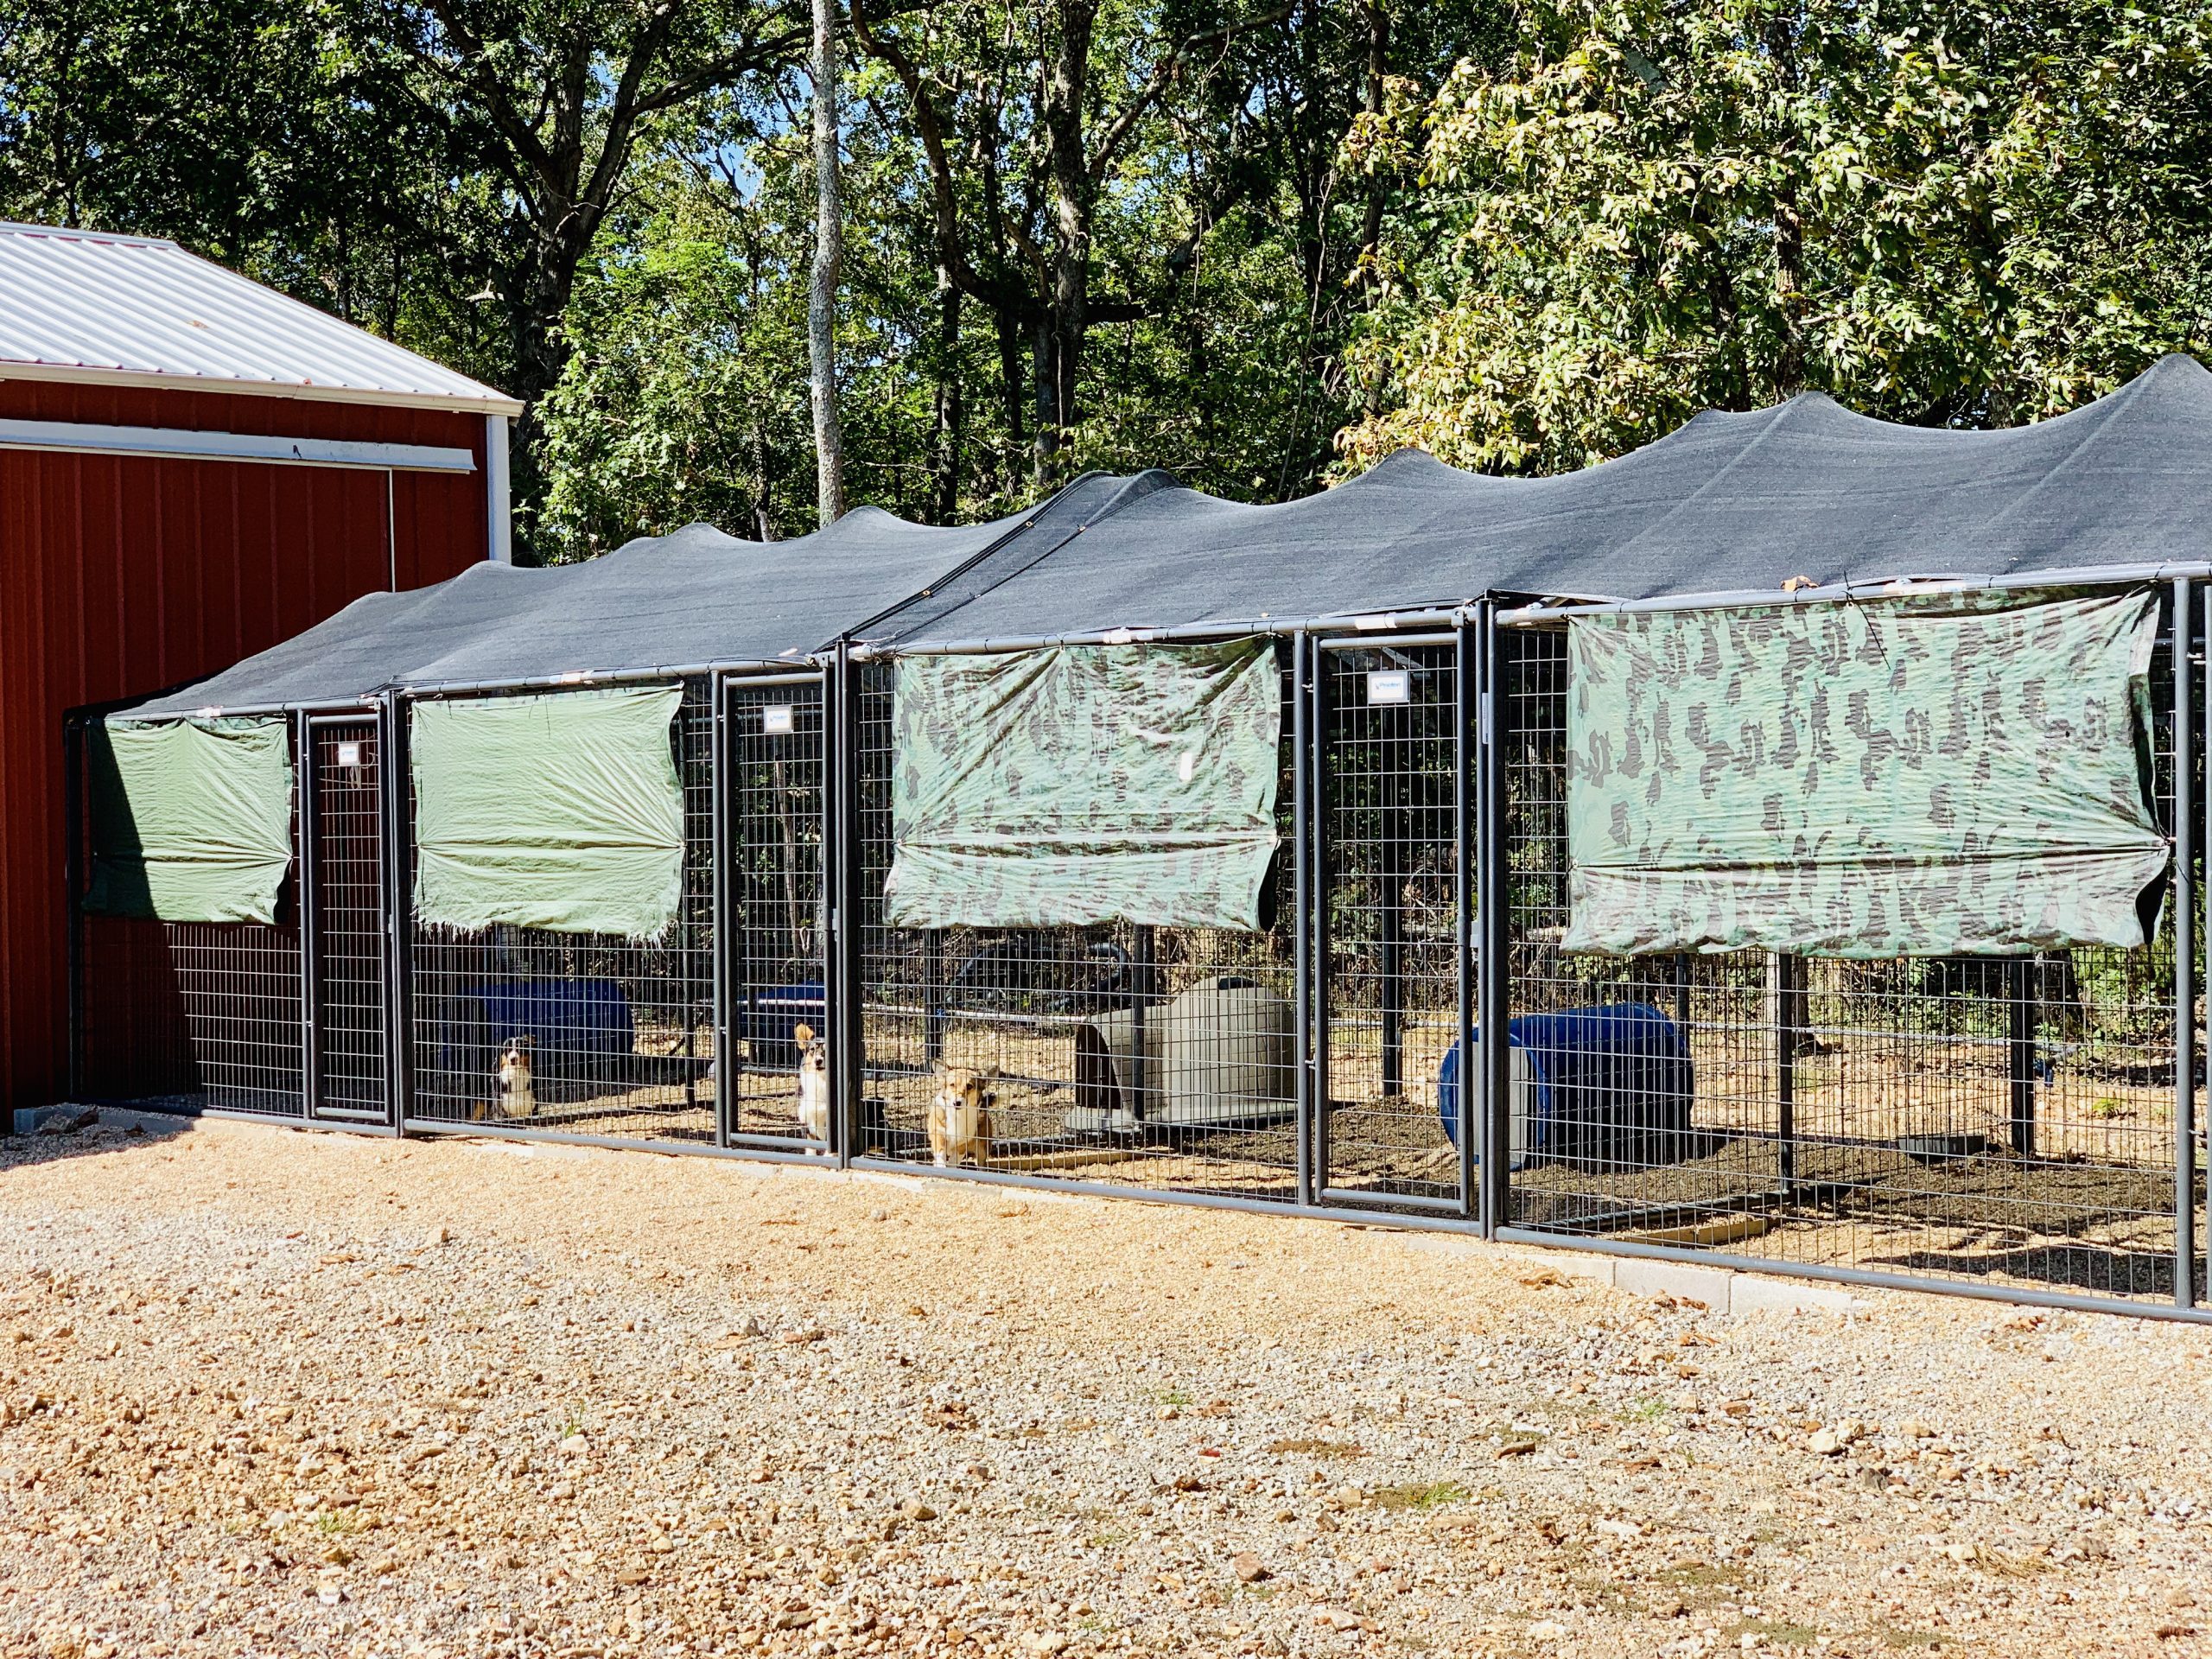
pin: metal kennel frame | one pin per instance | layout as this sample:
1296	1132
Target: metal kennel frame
2025	1130
2052	1160
1962	1118
283	1021
682	1044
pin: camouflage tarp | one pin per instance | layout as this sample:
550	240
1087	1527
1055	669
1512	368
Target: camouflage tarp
1083	784
1894	777
562	811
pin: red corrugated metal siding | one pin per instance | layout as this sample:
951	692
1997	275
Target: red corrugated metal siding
120	575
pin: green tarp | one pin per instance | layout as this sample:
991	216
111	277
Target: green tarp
1894	777
562	811
191	819
1081	783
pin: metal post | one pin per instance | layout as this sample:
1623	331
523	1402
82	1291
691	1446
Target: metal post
1301	740
1465	701
2020	989
1390	928
723	780
934	1020
841	979
309	901
399	911
1317	804
1790	1022
2186	1236
1492	1092
73	876
1140	980
2185	905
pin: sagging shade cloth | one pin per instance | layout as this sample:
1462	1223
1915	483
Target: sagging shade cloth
1079	784
561	811
1885	778
191	819
1736	502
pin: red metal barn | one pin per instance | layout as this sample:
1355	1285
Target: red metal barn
192	468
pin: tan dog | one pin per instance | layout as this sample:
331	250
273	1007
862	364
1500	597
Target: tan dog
960	1116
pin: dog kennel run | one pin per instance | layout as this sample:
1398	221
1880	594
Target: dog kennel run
1413	865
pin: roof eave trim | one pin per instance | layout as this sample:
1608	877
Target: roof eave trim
488	402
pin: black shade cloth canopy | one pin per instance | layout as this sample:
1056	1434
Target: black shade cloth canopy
686	600
1729	504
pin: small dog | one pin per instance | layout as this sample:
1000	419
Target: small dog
518	1099
813	1083
960	1116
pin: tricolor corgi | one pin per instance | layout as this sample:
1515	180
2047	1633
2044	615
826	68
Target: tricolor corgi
517	1098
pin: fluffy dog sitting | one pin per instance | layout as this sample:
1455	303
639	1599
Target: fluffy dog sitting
960	1116
813	1083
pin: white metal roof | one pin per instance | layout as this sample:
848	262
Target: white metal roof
129	310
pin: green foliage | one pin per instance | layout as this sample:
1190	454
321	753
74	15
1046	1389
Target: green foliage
1524	239
1944	214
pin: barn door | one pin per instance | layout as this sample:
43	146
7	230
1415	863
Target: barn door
774	924
1386	1117
345	918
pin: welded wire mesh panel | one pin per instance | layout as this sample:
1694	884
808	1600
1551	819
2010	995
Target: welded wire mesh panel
194	1015
776	949
524	1028
2006	1121
133	1042
1151	1057
349	922
1388	868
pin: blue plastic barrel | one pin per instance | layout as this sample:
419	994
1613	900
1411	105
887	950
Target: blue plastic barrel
1612	1086
561	1017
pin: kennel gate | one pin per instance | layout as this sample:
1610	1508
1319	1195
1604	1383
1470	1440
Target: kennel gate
346	906
1391	951
774	922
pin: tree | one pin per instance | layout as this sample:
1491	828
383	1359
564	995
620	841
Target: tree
1941	215
822	291
1045	131
549	99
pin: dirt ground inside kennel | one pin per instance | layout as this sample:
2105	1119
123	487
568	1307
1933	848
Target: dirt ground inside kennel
272	1392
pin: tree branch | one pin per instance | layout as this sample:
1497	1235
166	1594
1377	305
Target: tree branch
929	126
1163	74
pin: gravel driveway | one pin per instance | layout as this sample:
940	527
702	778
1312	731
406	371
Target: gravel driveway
273	1393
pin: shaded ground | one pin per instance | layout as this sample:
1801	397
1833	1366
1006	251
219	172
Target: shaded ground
272	1393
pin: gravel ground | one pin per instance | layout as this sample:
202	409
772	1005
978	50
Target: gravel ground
273	1393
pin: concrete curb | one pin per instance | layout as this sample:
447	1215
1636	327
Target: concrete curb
1721	1290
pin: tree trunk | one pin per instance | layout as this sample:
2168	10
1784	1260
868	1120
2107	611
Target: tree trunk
1788	225
1057	335
951	412
1378	71
821	296
1016	394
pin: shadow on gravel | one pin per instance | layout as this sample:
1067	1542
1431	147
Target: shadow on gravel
2101	1268
84	1132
